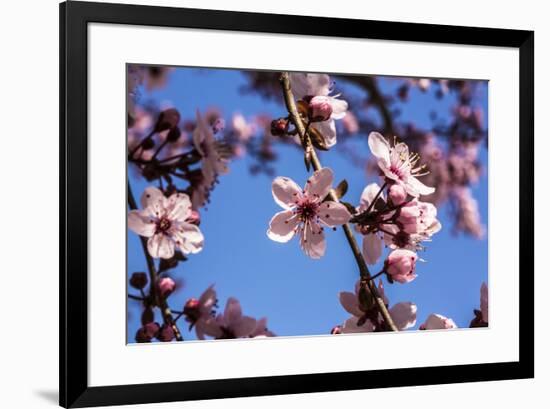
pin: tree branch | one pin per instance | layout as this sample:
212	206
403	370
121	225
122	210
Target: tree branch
376	97
366	279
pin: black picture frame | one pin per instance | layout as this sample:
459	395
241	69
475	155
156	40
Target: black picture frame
74	17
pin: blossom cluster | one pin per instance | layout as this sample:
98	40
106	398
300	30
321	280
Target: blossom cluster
184	159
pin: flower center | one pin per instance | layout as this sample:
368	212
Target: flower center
307	210
396	170
163	225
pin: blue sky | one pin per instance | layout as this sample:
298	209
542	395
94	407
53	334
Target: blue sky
298	295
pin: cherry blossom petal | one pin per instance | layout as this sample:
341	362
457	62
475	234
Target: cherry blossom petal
207	299
160	246
233	312
333	213
179	207
209	327
438	321
328	130
199	134
303	84
313	241
339	108
319	184
283	226
379	146
415	187
484	302
368	195
189	238
260	328
140	224
372	248
244	327
403	315
285	192
153	201
350	303
350	326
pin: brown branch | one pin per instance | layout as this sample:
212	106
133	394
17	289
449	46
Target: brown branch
159	301
366	279
376	97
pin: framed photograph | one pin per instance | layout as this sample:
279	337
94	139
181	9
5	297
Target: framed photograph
256	204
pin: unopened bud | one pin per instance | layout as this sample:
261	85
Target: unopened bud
138	280
279	127
168	119
319	108
166	286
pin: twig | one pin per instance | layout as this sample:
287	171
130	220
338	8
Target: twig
159	301
366	278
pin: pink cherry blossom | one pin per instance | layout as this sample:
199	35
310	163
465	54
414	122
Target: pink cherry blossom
403	314
437	321
305	212
212	163
350	122
231	324
417	223
307	86
261	330
484	302
200	312
243	129
401	264
397	164
164	222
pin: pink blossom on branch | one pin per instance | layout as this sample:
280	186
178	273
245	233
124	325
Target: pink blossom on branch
213	163
398	165
164	221
231	324
305	212
323	108
200	312
400	265
363	320
437	321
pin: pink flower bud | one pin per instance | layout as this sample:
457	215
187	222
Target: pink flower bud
191	310
138	280
400	265
147	332
166	333
166	286
397	194
319	108
167	119
279	127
